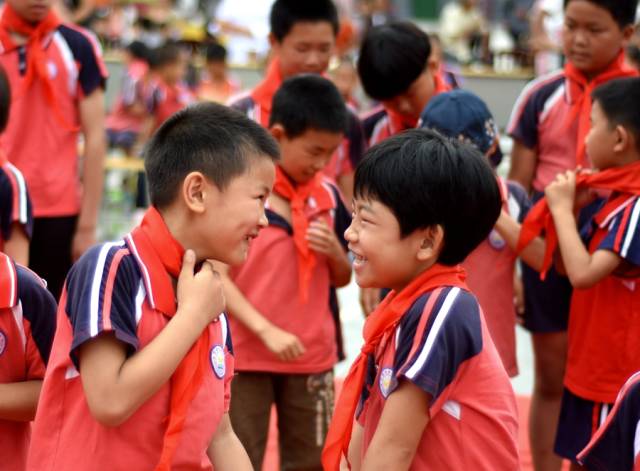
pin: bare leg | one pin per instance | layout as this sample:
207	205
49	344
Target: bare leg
550	352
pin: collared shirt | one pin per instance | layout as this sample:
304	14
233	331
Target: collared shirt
124	289
541	121
15	202
442	346
27	326
269	280
35	140
494	287
604	320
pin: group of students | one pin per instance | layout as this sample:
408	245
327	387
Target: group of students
261	210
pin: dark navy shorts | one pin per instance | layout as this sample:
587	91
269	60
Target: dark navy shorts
546	303
579	420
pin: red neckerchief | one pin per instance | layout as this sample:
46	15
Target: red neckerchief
580	88
311	194
8	282
623	180
37	61
162	257
399	122
263	93
379	324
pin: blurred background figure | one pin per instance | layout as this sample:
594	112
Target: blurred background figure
546	31
464	32
216	85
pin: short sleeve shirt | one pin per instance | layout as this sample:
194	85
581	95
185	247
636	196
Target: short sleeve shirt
604	320
541	121
122	288
442	346
37	141
27	326
15	203
269	280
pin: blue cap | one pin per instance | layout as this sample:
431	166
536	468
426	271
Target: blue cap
460	114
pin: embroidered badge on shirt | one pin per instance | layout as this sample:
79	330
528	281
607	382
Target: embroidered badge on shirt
496	241
217	361
3	342
386	377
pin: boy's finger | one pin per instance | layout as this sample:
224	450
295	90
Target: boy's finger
188	263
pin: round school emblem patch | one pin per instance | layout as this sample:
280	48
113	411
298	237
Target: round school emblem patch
3	342
386	376
217	361
496	241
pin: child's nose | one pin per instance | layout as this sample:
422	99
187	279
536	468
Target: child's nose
350	234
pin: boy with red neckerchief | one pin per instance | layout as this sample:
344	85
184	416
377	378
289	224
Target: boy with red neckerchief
549	123
396	68
27	326
285	330
302	38
428	390
57	77
142	360
601	259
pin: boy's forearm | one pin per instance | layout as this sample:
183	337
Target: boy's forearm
242	309
355	448
226	452
116	386
509	229
18	401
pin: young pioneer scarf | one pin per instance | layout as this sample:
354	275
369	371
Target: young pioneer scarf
311	194
154	242
380	323
37	64
580	89
624	180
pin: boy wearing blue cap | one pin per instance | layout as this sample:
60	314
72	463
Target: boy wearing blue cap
460	114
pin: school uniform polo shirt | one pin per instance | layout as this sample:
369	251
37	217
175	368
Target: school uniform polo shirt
604	320
494	287
27	325
42	144
541	121
132	92
123	288
616	444
15	203
442	345
269	280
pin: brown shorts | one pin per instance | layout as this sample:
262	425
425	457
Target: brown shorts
304	404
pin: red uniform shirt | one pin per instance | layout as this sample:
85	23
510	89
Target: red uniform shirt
269	280
604	320
35	140
125	289
132	92
494	287
15	203
27	325
165	100
442	346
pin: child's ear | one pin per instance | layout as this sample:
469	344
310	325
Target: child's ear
623	140
628	32
277	131
431	243
195	191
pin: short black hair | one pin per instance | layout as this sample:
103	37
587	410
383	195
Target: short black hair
216	52
209	138
392	57
139	50
286	13
308	101
5	99
168	53
622	11
427	179
616	99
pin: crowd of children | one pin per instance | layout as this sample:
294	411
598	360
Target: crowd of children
175	346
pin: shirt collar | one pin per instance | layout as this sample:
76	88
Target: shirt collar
159	256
